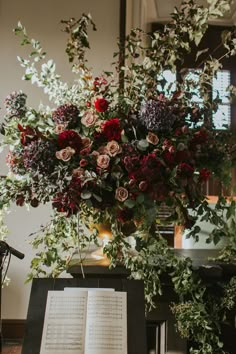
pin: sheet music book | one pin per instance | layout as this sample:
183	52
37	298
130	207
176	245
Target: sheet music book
85	322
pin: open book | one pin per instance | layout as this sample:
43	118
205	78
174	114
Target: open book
85	322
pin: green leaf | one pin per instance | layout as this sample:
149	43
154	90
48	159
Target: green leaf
129	203
86	195
143	145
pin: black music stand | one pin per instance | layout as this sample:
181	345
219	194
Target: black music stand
135	309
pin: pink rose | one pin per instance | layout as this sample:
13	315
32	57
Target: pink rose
103	161
95	154
121	194
113	148
89	119
152	138
65	154
86	142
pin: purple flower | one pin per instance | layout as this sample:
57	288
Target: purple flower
157	116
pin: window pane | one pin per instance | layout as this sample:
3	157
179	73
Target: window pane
192	79
221	118
167	83
220	84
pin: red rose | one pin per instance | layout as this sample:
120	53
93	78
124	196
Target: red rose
70	138
168	158
111	129
204	174
101	105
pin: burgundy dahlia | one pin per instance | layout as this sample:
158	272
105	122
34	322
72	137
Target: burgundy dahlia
67	114
70	138
111	129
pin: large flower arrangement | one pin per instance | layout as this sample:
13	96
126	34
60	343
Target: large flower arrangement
118	147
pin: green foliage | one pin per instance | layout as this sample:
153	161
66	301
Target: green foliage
78	37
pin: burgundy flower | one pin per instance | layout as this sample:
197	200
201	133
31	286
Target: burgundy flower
185	170
20	200
111	129
101	105
98	82
69	138
68	201
204	174
168	158
66	114
132	163
151	161
27	135
39	157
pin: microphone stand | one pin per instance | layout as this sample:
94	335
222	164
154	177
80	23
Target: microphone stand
5	250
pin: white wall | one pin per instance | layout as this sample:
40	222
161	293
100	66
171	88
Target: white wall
42	20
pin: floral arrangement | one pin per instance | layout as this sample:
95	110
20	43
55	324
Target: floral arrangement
120	146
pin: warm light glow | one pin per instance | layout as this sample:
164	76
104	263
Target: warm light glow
105	235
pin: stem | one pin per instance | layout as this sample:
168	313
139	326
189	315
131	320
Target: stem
79	251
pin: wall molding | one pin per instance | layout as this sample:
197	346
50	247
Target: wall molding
13	329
